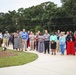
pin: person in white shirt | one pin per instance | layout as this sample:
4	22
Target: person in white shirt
32	38
6	38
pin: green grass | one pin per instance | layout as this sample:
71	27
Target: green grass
19	59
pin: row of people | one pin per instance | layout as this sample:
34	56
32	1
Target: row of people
57	41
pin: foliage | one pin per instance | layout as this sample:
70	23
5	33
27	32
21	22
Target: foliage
46	16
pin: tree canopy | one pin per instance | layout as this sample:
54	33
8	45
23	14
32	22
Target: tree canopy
47	15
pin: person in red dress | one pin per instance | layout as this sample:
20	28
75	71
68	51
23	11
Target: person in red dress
70	44
75	40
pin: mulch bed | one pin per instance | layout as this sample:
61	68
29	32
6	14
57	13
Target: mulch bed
7	53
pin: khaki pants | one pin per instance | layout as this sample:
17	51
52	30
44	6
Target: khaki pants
32	44
58	46
5	41
24	42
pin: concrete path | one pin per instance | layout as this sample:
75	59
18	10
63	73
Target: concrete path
46	64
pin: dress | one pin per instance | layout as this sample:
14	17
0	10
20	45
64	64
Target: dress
70	45
40	44
75	42
17	41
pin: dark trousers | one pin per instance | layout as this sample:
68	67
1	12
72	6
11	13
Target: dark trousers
46	44
36	45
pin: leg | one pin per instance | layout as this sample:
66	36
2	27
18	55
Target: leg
68	48
73	49
45	47
25	45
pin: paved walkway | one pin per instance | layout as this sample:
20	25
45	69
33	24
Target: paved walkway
46	64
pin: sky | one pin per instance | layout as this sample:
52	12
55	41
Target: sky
6	5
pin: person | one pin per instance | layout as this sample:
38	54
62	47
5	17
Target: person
75	40
1	39
53	40
24	36
12	39
70	44
36	41
46	41
28	41
62	40
40	43
17	41
31	38
58	46
67	33
6	38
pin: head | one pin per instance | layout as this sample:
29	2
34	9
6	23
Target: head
58	31
40	34
46	32
28	32
75	33
70	32
17	31
6	32
53	33
37	34
23	30
67	32
31	32
62	33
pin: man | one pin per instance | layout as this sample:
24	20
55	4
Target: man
24	36
6	38
46	41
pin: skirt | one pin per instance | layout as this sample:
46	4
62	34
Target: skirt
53	45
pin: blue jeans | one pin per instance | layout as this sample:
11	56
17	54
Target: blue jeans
62	48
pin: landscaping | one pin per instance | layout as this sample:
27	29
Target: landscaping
14	58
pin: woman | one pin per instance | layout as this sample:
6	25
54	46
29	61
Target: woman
36	41
40	43
53	40
17	41
1	39
62	43
70	44
75	40
28	41
31	37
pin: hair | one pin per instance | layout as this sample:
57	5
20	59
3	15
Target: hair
40	33
74	33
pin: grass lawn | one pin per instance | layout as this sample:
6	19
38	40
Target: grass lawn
14	58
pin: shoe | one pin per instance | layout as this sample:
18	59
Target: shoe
25	49
52	54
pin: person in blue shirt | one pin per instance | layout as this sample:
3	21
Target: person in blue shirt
24	36
62	40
